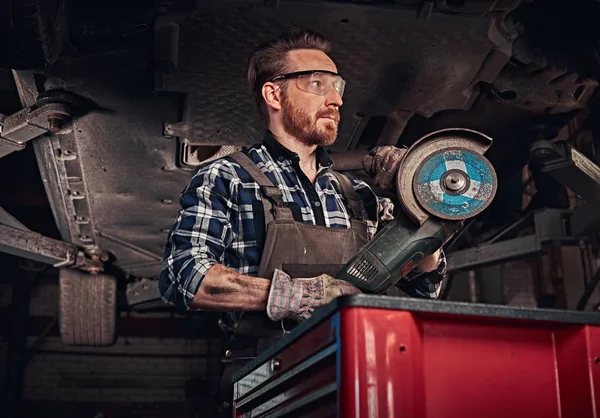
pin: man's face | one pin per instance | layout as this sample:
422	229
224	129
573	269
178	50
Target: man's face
310	118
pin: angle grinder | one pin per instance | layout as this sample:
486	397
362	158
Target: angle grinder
443	179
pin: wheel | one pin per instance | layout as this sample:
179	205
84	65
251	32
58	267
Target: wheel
87	308
33	32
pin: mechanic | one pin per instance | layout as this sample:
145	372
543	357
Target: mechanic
260	234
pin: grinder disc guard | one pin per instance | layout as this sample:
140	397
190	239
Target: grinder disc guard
420	205
455	183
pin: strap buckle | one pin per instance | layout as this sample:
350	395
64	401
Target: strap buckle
274	194
351	204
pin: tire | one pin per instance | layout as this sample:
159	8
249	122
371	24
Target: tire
87	308
33	32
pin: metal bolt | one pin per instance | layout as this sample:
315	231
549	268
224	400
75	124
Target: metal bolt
455	181
228	353
225	404
55	122
275	365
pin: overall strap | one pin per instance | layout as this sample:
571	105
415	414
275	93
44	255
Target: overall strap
273	199
356	206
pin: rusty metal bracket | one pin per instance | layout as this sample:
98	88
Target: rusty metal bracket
141	292
29	123
18	240
37	247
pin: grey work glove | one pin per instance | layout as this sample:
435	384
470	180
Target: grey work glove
382	163
298	298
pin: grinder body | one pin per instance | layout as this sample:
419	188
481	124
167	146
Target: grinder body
396	250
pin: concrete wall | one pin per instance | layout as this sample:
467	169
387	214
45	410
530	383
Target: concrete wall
135	371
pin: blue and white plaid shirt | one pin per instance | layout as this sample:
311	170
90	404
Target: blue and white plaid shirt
221	219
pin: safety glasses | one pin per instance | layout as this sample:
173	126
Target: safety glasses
316	81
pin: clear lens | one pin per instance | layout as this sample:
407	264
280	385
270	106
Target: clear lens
320	83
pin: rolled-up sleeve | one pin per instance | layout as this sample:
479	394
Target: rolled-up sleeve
201	233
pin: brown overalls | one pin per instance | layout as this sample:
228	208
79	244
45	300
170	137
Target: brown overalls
299	249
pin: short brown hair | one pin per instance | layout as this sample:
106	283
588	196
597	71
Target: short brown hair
271	59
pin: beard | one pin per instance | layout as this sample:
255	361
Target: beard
299	124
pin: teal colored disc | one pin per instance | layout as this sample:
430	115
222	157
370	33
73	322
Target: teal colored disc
455	184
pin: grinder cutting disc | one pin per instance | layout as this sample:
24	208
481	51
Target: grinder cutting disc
455	183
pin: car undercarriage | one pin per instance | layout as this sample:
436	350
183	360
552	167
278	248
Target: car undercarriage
122	103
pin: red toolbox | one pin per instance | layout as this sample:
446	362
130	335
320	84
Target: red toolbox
378	356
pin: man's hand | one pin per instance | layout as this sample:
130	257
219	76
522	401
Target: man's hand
382	163
298	298
430	263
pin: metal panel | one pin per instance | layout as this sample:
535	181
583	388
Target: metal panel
378	367
389	58
575	365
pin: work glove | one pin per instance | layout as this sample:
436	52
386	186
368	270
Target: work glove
382	163
298	298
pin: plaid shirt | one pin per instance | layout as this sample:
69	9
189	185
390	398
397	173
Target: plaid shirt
221	219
